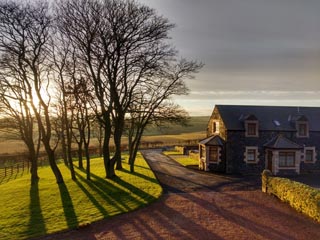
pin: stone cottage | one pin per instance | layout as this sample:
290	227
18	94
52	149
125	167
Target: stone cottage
248	139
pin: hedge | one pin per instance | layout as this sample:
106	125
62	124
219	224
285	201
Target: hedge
303	198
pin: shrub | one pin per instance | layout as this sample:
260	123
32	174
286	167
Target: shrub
303	198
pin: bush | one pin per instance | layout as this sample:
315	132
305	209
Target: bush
303	198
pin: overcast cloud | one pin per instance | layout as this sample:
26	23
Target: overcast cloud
257	46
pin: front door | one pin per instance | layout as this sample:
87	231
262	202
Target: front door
270	155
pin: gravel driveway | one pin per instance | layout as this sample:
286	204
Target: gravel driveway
199	205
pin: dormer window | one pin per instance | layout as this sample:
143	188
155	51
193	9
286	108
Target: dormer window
251	125
302	126
302	130
252	129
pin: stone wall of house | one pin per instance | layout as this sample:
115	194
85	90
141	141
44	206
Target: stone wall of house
312	141
215	116
237	142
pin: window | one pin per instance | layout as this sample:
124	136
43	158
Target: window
213	154
309	156
302	129
251	129
287	159
215	127
251	155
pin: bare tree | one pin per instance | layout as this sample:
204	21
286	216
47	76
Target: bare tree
152	103
122	43
24	36
83	118
63	61
19	119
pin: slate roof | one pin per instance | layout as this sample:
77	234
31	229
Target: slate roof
214	140
281	142
234	116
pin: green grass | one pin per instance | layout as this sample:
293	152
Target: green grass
182	159
47	207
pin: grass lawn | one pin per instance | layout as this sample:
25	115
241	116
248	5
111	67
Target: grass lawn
47	207
182	159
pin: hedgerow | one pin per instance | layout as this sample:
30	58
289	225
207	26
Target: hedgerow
303	198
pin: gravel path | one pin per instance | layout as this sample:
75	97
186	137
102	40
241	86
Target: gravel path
198	205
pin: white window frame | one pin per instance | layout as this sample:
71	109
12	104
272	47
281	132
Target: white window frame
314	154
248	148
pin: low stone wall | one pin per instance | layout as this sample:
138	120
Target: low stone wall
185	150
179	149
302	197
194	155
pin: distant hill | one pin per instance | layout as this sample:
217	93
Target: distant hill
195	124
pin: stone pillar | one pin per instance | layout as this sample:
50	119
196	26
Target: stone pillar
206	160
264	179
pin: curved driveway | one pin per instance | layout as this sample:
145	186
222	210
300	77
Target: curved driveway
198	205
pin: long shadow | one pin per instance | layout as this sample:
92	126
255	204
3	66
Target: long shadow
104	191
144	195
36	224
227	214
11	177
134	189
68	208
139	175
93	200
181	224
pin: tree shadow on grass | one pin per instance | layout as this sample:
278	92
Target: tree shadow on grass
36	225
11	177
153	180
68	208
120	195
104	190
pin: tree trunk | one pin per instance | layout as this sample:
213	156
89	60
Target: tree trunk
73	174
134	151
64	146
88	161
118	131
80	154
108	163
117	154
53	165
100	141
134	146
34	166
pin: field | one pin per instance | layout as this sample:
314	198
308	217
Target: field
169	135
46	207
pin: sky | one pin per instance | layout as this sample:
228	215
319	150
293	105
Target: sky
256	52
